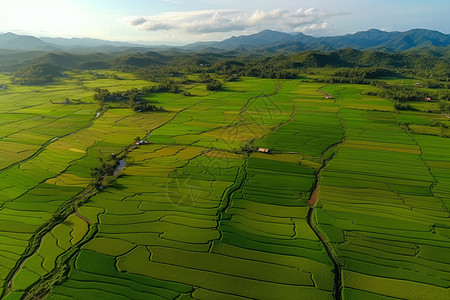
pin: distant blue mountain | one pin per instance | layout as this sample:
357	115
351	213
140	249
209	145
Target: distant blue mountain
85	42
371	39
267	41
13	41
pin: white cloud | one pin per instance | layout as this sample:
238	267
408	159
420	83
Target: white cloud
312	28
219	21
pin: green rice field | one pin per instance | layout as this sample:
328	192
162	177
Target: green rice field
347	204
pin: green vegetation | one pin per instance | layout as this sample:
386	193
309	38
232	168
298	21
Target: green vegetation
36	74
409	93
209	184
380	179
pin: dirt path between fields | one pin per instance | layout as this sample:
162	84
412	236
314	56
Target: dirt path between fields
326	94
261	95
77	213
313	200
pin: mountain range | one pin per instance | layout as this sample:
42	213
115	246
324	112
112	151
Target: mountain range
267	41
372	39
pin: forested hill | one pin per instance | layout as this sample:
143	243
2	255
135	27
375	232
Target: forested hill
434	60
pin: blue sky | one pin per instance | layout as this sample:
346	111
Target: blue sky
179	21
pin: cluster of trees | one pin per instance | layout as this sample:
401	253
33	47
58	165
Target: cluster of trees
167	86
402	105
407	93
214	85
170	80
277	67
434	84
262	71
132	98
97	75
444	107
106	167
36	74
211	83
399	93
353	80
366	73
157	73
231	77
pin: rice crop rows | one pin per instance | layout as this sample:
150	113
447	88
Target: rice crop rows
49	151
383	206
222	224
349	202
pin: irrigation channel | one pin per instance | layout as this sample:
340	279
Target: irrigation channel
310	217
311	222
120	166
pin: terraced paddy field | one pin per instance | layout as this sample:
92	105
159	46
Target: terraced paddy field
48	150
347	205
383	204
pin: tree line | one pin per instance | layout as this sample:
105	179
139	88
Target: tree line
404	93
